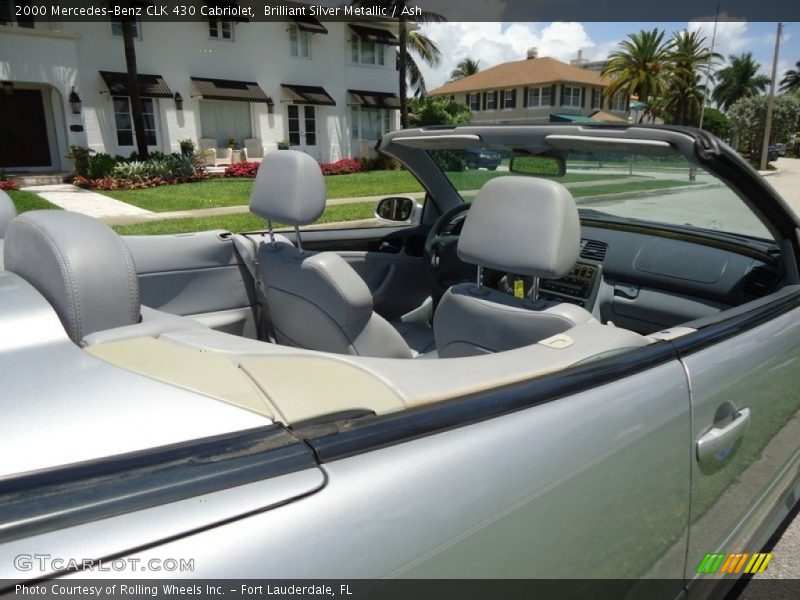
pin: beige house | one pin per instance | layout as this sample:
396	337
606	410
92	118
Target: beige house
535	90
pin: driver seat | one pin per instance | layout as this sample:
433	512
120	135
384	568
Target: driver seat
315	301
519	225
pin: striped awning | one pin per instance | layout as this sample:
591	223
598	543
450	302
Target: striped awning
309	24
376	99
308	94
226	89
150	86
379	36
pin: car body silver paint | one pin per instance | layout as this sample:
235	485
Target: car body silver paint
760	370
109	537
60	405
592	485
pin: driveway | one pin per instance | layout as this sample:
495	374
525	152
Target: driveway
787	181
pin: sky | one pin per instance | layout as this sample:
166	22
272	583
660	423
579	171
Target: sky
495	43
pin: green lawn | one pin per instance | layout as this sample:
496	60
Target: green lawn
236	191
241	222
342	212
25	201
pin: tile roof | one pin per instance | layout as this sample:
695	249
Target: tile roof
226	89
534	71
150	86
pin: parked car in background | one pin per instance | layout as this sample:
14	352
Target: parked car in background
482	158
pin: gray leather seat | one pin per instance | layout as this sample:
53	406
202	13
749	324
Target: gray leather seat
86	272
315	301
519	225
7	213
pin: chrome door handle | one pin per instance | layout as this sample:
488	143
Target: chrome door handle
719	439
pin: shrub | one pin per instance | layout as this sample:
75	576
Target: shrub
7	185
242	169
382	162
342	167
187	147
100	165
449	161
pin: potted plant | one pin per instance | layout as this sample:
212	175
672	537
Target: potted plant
187	147
232	143
80	158
283	145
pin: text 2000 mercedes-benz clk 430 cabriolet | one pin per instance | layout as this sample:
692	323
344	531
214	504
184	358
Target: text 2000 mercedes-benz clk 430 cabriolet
582	363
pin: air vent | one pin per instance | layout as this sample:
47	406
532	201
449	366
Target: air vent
759	281
593	250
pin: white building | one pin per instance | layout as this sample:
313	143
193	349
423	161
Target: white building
331	90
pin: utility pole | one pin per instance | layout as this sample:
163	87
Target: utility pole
708	68
771	99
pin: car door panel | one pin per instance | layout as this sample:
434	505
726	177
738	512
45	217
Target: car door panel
587	486
195	275
736	491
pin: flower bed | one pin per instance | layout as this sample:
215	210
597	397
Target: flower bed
242	169
8	185
342	167
113	183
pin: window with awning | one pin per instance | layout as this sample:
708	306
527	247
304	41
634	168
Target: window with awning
308	94
227	89
150	86
376	36
375	99
309	24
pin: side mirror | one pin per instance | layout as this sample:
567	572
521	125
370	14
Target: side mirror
398	209
541	165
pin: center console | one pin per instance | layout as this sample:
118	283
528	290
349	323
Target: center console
577	287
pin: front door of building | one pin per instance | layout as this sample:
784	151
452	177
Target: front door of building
303	128
23	130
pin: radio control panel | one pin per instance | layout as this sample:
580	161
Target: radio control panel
577	285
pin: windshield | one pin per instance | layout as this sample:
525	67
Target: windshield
662	188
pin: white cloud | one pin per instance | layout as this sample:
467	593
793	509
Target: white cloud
731	36
495	43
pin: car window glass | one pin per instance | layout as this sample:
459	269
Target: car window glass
663	188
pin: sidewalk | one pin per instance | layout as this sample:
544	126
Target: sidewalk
70	197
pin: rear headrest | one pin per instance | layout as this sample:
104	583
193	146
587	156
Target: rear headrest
7	212
80	265
289	189
524	226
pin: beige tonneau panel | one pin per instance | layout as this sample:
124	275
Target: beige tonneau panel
302	387
207	373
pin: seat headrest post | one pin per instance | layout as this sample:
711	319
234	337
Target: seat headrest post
271	233
479	280
299	241
534	293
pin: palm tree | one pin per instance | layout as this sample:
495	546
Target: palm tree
640	66
791	79
740	79
465	68
133	87
690	59
426	49
414	41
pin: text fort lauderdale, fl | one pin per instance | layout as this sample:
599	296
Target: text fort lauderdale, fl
340	11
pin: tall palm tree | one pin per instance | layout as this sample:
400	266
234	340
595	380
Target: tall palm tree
409	41
690	59
640	66
791	79
465	67
137	115
740	79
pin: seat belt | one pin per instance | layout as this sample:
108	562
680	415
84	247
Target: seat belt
247	251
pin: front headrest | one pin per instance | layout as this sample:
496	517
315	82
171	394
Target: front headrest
289	188
524	226
7	212
80	265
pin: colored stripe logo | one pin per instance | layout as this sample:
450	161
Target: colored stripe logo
735	563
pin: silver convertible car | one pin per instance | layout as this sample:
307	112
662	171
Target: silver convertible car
582	364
